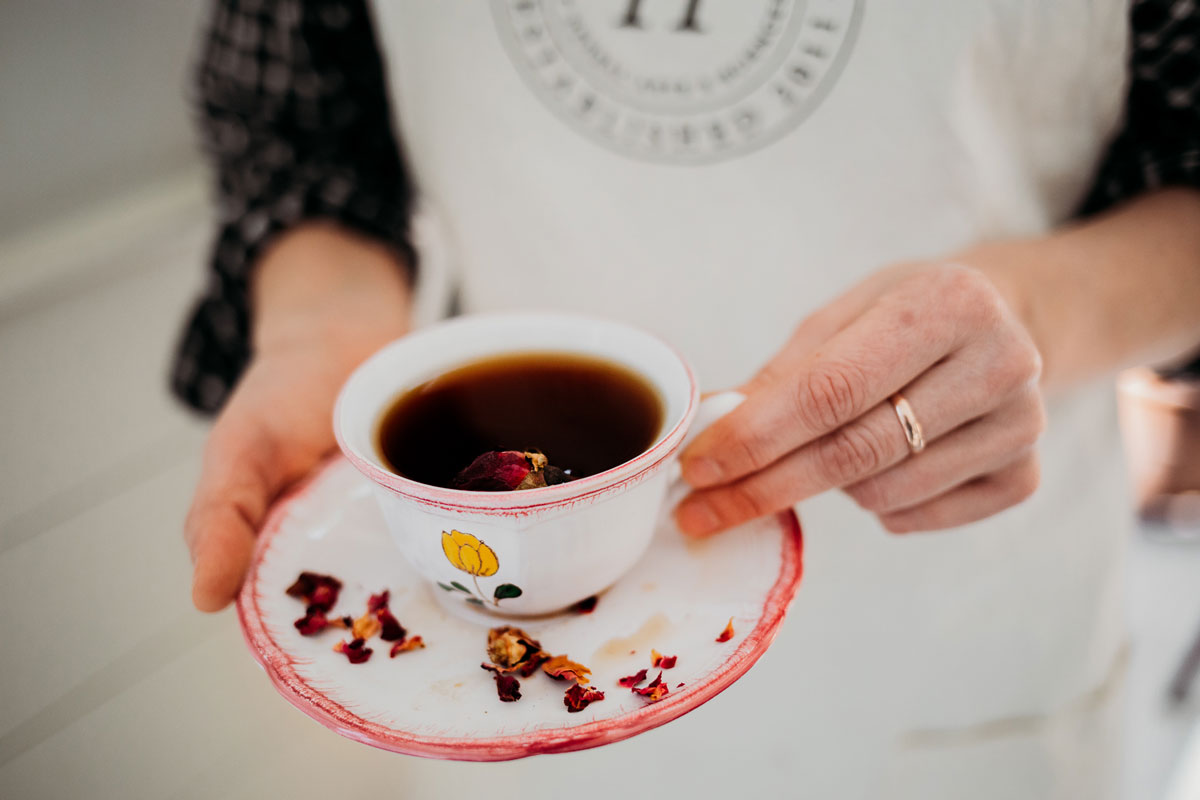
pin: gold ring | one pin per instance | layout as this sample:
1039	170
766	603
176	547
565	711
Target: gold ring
908	421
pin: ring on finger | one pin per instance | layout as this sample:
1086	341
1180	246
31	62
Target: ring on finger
913	432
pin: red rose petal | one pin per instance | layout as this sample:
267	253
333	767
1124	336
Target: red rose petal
654	691
633	680
354	650
316	590
578	697
508	688
378	601
312	622
392	629
657	659
726	634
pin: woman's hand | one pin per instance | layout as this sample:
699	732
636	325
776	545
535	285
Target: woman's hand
819	415
324	300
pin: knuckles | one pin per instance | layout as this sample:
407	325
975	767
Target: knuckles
829	395
850	453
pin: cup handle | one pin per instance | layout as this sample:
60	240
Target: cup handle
711	409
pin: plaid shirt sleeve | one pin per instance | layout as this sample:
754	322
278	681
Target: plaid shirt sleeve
1159	144
293	110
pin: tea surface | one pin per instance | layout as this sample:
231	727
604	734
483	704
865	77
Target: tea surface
586	414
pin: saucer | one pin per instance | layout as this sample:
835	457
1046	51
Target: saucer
437	702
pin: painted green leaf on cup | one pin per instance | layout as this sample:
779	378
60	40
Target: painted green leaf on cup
475	601
506	590
460	587
445	586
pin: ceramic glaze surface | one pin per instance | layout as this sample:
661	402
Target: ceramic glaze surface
437	702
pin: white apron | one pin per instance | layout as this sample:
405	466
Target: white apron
715	170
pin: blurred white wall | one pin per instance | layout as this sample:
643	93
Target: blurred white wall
91	102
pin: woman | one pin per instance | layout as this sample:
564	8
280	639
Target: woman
864	215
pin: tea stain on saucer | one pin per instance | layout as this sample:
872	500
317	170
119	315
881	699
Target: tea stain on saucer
653	630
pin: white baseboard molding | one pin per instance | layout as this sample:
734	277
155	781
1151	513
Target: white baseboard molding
80	249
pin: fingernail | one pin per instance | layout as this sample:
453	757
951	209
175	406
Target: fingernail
701	471
696	517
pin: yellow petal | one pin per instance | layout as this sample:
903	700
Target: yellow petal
451	550
464	539
488	563
469	560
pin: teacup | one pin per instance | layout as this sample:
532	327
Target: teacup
539	550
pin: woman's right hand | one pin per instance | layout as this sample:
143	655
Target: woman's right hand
324	300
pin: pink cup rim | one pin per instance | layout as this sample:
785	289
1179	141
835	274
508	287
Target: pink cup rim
549	497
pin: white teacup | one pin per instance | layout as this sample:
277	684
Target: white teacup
537	550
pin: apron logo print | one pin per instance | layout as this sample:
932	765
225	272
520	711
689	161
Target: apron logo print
679	81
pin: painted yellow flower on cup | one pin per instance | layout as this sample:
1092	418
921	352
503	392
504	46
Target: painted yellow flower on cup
469	554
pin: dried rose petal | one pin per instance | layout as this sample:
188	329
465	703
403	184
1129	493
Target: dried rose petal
316	590
726	634
404	645
312	622
346	622
391	629
630	681
657	659
578	697
354	650
365	626
507	687
564	669
585	606
512	648
654	691
378	601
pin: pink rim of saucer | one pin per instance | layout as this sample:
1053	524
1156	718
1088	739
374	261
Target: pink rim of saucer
281	668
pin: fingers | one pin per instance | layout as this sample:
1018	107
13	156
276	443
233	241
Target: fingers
944	398
973	450
970	502
236	487
857	368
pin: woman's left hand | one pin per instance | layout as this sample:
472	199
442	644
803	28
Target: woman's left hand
819	415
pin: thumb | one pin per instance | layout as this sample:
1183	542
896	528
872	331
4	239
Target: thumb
238	481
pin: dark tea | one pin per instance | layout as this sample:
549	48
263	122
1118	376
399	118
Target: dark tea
586	414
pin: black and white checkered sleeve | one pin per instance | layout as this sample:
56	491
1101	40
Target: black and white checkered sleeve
1159	144
293	109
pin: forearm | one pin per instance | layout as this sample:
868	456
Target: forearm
1119	289
324	282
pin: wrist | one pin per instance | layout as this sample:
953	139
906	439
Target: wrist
321	285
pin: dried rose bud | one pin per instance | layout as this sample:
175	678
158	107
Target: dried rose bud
657	659
316	590
405	645
354	650
726	634
578	697
654	691
507	471
511	648
564	669
631	681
